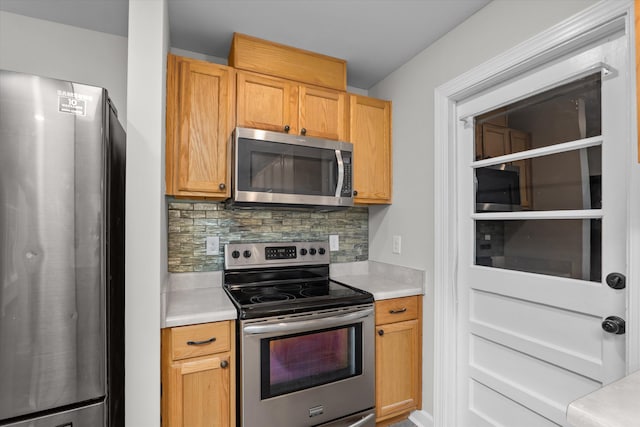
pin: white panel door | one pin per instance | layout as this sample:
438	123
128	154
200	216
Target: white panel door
542	222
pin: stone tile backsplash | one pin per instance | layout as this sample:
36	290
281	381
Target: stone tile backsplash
190	223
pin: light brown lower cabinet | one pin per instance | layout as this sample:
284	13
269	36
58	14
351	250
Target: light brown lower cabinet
198	375
398	358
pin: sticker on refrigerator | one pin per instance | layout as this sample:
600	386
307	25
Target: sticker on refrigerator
73	103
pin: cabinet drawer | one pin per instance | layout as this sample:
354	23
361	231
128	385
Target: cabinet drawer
200	340
396	310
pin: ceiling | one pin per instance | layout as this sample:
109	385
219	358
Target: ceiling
375	37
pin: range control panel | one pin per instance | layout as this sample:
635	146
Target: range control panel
280	252
255	255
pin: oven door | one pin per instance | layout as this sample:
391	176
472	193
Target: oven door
307	369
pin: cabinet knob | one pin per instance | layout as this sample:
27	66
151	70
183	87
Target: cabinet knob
381	332
222	186
303	131
287	128
355	193
224	364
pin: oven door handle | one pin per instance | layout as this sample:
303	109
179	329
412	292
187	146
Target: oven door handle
322	322
363	421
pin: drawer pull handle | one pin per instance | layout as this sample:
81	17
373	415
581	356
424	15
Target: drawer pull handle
402	310
209	341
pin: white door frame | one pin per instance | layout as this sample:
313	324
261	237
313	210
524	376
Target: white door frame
594	23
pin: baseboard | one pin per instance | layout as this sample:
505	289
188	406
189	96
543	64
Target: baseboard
421	418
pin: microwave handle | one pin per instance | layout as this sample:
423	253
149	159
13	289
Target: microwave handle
340	173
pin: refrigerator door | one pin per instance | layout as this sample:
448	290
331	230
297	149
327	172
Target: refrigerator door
89	416
52	289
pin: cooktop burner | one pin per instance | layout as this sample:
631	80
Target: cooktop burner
266	279
259	299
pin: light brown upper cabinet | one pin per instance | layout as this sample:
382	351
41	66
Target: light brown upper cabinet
287	62
281	105
323	113
370	133
200	119
521	141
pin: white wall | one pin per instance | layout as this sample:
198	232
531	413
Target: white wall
64	52
146	258
499	26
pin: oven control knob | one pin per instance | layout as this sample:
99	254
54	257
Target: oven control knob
303	251
312	251
247	254
321	251
235	254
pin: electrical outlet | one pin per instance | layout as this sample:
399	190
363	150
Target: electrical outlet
334	242
397	244
213	245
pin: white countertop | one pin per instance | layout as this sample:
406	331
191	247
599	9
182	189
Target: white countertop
614	405
384	281
201	305
192	298
195	298
381	288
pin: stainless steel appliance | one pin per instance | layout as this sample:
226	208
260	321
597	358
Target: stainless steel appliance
498	188
62	166
306	343
271	168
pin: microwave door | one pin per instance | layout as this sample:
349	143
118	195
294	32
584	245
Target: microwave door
300	172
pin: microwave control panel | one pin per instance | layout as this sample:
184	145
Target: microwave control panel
348	177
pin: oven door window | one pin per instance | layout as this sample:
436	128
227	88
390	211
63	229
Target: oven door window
287	169
296	362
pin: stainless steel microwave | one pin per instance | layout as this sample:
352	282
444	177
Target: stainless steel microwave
498	188
277	169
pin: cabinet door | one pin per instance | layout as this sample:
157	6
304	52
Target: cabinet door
397	368
520	141
199	121
495	141
370	133
200	393
323	113
267	103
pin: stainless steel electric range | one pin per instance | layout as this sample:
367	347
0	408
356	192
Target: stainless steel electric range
305	342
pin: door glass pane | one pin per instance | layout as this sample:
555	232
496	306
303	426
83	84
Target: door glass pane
563	181
559	247
565	113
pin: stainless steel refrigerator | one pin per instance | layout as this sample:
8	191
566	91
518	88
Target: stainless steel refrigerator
62	171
